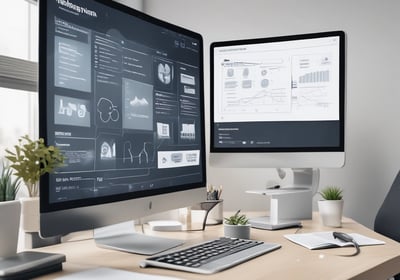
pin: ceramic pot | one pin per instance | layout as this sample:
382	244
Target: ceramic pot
237	231
10	212
215	216
330	212
30	220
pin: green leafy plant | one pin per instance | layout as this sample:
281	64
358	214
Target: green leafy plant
32	159
8	185
332	193
237	219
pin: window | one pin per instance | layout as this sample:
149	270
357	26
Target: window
17	115
18	71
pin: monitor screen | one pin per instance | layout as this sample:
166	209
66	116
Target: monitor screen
121	95
281	96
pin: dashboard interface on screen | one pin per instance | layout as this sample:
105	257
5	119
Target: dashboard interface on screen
123	99
278	94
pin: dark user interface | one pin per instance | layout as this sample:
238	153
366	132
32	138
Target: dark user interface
124	102
277	135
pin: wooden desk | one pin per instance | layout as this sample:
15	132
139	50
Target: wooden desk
290	262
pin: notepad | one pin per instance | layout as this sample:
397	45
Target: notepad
325	239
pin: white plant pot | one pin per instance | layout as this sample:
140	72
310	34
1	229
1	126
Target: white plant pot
10	212
30	216
237	231
330	212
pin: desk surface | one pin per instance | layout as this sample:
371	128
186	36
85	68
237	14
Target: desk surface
291	261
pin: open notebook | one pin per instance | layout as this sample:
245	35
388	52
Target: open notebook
325	239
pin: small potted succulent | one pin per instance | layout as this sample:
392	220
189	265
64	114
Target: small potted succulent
31	159
237	226
331	206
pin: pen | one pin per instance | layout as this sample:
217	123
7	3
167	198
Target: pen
214	193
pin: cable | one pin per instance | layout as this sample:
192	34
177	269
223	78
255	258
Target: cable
347	238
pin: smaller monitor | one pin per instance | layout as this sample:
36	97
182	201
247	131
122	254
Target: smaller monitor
278	102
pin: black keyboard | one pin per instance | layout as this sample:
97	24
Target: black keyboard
211	256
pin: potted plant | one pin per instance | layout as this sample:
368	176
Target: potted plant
237	226
331	207
31	159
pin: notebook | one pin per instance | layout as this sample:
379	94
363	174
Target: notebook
325	239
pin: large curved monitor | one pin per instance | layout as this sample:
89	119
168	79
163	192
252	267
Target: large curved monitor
121	94
278	102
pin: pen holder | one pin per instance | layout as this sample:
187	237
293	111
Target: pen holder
215	216
199	214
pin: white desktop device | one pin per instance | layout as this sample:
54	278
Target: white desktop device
288	206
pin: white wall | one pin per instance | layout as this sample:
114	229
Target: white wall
373	97
136	4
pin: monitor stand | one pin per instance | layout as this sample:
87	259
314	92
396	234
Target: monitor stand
266	223
123	237
290	204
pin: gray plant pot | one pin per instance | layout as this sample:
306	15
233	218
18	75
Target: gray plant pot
237	231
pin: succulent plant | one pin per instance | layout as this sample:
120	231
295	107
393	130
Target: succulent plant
237	219
8	185
331	193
